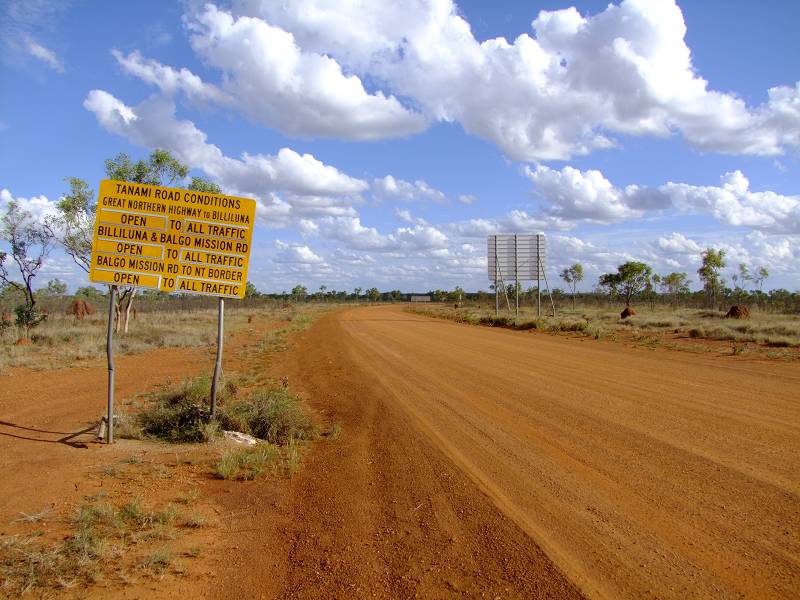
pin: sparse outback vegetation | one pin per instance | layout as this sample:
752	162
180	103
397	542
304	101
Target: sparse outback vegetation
767	329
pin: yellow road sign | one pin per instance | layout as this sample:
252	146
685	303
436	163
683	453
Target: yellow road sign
172	239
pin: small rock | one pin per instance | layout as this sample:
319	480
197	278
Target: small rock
240	438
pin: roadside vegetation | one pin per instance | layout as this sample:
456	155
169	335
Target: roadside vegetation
120	540
767	329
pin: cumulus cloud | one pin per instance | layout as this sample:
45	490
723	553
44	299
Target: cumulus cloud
310	188
571	195
396	189
275	82
677	243
419	238
296	253
561	90
39	207
169	80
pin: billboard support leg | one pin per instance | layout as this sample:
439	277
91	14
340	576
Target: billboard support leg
110	353
218	363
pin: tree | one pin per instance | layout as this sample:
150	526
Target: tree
90	292
200	184
674	285
373	294
160	168
251	291
572	276
54	287
609	284
761	274
73	224
631	279
713	262
322	289
299	293
30	243
357	292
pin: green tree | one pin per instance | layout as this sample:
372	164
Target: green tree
631	279
299	293
357	293
713	261
373	294
54	287
251	291
90	292
160	168
321	293
200	184
674	285
761	274
73	224
30	243
572	276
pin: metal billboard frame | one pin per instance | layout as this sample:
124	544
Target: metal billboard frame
522	256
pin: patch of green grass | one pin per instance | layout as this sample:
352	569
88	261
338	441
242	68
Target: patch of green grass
245	463
195	521
102	537
273	415
189	497
158	561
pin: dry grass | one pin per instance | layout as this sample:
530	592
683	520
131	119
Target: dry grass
772	330
105	540
62	340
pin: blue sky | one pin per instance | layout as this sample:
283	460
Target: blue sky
383	144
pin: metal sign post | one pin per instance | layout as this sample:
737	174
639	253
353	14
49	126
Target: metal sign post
110	352
218	364
520	254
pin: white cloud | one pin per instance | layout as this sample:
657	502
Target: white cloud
678	243
404	215
550	95
296	253
419	238
397	189
277	83
310	187
43	54
735	204
39	207
169	80
577	195
571	195
467	199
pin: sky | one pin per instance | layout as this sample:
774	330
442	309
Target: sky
384	141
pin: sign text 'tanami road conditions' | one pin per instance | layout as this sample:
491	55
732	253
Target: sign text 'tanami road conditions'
172	239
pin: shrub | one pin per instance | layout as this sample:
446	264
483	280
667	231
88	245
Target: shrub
182	415
272	415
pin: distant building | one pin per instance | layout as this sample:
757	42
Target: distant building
419	298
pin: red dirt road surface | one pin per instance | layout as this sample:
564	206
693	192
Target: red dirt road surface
465	449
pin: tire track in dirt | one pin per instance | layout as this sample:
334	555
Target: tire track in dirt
641	473
380	511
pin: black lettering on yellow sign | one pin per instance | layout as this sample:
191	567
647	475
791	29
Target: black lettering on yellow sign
215	230
121	233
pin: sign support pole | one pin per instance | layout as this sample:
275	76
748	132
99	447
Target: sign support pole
218	364
496	290
110	352
516	280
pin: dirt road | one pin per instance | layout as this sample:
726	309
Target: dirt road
464	449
